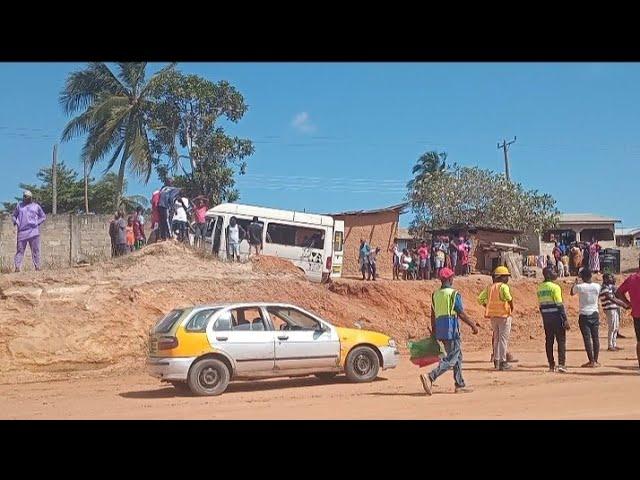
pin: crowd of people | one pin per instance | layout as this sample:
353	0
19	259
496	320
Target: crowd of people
430	257
569	258
447	310
172	216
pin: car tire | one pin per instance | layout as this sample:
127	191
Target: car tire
208	377
326	376
362	365
181	387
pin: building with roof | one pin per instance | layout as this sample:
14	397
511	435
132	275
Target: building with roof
378	227
405	240
628	237
575	227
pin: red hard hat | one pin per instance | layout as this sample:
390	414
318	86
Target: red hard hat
445	273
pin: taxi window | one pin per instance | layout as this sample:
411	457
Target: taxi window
167	322
198	323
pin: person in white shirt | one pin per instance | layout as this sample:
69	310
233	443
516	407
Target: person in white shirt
560	267
180	221
588	320
235	234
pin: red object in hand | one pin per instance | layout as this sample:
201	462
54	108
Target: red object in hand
424	361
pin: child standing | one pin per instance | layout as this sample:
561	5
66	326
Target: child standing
560	268
130	236
611	306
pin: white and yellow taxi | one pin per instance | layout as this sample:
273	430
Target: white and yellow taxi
203	348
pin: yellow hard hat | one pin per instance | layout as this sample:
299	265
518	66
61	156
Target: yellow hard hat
500	271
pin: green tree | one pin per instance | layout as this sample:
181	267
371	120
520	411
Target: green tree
429	163
184	121
475	196
71	192
112	112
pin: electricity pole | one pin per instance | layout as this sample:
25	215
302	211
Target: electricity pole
54	181
505	148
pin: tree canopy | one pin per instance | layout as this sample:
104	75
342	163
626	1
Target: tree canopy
70	192
112	111
185	122
479	197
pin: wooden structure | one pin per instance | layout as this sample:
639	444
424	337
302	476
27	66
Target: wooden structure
489	246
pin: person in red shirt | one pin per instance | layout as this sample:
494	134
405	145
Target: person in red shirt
155	215
424	271
631	286
201	204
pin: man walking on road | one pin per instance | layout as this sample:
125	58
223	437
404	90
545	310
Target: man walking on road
446	308
27	217
632	286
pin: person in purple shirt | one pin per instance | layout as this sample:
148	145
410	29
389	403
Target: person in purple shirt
28	216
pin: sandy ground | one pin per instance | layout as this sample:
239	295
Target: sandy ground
527	392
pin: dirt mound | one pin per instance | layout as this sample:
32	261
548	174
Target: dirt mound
95	319
275	265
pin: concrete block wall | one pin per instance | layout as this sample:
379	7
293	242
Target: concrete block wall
65	239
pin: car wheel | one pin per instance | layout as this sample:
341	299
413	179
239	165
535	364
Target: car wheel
326	376
362	365
208	377
181	387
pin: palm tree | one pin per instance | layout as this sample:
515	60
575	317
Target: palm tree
428	164
111	111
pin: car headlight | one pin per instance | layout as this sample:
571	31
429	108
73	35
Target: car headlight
392	343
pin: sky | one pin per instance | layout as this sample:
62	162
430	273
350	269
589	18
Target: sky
331	137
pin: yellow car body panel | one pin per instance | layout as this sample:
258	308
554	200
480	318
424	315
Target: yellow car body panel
190	344
350	337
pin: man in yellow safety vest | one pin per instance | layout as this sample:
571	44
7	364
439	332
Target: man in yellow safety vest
446	307
498	304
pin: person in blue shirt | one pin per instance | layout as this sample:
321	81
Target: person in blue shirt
363	257
446	309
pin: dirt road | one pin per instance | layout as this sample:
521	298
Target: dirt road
527	392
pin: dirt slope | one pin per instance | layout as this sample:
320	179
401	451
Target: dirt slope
94	320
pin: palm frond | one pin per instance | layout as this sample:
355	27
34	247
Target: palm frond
84	86
132	75
137	147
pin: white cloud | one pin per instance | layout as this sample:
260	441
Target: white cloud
302	123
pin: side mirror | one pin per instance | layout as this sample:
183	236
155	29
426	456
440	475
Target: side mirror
322	328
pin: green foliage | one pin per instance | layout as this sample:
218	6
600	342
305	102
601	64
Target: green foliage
474	196
70	192
184	121
429	163
112	111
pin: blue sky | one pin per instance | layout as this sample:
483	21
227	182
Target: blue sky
342	136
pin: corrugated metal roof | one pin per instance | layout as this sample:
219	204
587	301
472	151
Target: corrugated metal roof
627	231
585	218
401	207
473	229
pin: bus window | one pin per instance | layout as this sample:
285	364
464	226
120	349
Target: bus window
294	236
337	242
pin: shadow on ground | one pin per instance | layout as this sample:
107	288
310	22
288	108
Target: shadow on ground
255	386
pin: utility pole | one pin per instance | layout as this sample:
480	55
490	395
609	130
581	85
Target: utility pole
505	148
86	187
54	180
